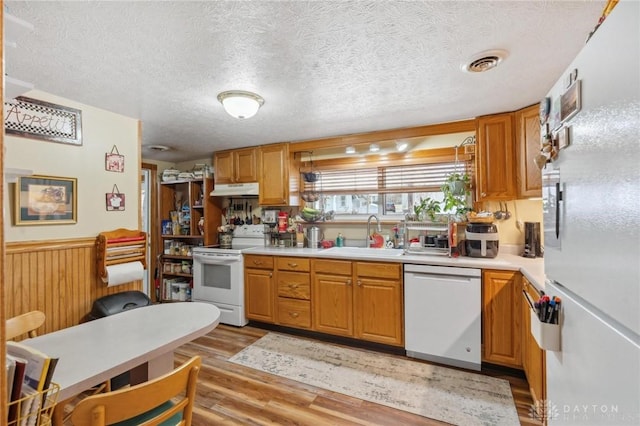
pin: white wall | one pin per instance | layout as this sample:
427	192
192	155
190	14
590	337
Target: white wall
100	131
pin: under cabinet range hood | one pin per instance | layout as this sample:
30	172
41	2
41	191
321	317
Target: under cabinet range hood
235	189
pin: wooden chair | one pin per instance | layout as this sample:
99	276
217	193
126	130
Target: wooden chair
168	398
24	324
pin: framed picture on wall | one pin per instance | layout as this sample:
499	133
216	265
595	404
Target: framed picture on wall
45	200
570	102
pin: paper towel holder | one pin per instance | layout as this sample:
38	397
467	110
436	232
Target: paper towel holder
120	246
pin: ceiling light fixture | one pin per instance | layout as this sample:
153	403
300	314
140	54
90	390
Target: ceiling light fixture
374	147
240	104
350	150
401	146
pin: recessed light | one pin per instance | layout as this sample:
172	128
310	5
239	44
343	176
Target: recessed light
374	147
350	150
401	146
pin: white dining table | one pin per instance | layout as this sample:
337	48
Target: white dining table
138	339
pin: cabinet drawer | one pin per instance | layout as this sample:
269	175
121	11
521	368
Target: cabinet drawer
378	270
293	312
292	264
333	267
294	284
258	262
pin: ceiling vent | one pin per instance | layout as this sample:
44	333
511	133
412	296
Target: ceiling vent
485	61
158	148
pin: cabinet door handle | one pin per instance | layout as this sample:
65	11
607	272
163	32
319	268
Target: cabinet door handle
484	194
349	281
359	282
294	314
257	262
293	286
270	274
293	265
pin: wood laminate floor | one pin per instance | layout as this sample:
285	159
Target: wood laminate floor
230	394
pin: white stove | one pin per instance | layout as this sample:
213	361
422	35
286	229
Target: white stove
244	236
218	274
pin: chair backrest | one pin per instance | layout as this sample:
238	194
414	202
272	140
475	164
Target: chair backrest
24	324
144	402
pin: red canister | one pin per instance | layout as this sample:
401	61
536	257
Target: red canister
283	221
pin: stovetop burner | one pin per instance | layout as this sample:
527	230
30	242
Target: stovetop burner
245	236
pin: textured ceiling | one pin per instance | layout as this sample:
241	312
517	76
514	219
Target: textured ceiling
324	68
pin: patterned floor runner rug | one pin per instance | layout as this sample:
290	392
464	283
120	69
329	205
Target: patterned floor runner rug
446	394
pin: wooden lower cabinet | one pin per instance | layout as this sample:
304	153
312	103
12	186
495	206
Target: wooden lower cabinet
333	297
359	299
378	302
294	312
533	358
502	318
259	288
294	292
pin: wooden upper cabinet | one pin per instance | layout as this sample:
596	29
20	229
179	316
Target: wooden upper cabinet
529	177
237	166
495	158
274	175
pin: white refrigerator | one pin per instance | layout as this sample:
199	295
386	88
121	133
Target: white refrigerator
592	230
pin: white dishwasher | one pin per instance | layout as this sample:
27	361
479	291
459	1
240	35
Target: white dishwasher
442	320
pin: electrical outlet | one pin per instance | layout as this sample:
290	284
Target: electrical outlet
519	224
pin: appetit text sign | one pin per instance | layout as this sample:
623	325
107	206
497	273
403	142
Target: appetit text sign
32	118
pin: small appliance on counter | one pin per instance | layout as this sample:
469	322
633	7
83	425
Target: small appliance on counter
481	240
532	245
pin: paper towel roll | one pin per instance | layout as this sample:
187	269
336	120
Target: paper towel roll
123	273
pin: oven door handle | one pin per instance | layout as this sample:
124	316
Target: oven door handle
216	260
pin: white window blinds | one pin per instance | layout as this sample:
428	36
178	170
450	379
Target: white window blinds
390	179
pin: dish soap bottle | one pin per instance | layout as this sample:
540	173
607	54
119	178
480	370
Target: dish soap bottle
339	240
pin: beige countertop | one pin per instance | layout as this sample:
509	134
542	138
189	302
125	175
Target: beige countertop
532	269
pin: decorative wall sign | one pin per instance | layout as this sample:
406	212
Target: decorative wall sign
570	102
32	118
114	162
45	200
115	200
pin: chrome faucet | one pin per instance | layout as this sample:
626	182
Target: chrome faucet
368	238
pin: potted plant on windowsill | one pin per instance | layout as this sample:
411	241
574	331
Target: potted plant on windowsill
456	192
427	208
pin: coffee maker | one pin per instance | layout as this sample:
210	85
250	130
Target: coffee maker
532	243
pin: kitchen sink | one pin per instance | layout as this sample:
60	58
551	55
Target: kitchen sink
360	251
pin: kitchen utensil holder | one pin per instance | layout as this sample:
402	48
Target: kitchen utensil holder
547	335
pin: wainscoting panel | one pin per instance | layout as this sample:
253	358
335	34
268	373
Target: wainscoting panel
57	277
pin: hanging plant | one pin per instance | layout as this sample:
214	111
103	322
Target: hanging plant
456	193
458	184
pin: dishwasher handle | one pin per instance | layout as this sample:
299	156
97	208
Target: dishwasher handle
442	270
437	278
